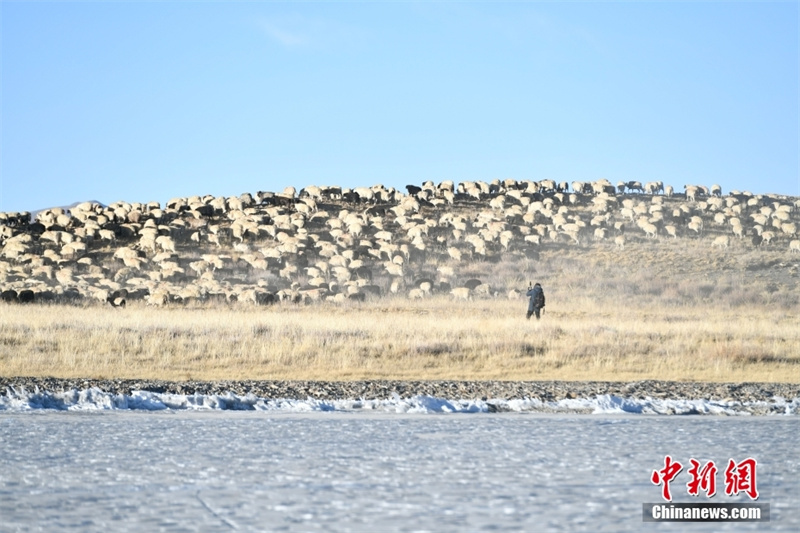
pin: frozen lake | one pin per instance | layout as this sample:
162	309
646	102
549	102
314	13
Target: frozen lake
368	471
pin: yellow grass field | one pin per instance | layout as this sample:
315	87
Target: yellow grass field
577	339
668	304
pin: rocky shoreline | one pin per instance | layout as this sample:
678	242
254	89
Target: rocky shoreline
384	389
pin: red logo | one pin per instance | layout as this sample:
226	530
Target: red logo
702	478
739	477
665	475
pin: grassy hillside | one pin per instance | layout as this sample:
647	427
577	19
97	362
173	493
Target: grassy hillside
331	284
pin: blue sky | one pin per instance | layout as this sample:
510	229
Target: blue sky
142	101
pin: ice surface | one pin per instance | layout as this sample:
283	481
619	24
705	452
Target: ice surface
124	467
96	399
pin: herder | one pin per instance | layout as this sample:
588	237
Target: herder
536	300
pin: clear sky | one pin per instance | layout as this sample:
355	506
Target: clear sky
142	101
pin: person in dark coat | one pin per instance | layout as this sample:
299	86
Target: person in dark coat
536	301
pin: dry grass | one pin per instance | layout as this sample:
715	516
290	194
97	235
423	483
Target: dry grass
672	309
579	338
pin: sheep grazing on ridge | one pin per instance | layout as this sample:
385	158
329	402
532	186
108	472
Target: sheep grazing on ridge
634	186
794	246
379	232
654	187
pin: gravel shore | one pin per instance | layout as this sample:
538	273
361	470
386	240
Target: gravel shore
377	390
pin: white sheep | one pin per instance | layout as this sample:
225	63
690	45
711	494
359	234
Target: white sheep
461	293
721	242
416	294
650	230
166	243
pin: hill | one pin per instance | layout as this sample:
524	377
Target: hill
608	257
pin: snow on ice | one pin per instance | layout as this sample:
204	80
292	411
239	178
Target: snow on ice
96	399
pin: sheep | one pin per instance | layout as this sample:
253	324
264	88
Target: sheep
17	246
312	191
396	285
9	296
461	293
794	246
696	224
654	187
52	236
498	202
393	269
619	241
158	298
483	289
782	215
73	249
721	242
416	294
26	296
634	186
384	236
650	230
166	243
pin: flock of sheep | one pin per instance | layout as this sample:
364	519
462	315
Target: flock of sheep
334	244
